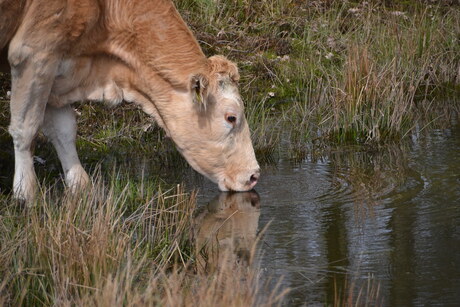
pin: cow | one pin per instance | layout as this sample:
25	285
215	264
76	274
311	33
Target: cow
138	51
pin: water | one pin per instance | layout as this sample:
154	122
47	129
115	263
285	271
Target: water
381	226
357	221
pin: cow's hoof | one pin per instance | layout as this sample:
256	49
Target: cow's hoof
24	194
77	179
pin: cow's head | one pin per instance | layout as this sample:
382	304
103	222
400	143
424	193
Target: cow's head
211	130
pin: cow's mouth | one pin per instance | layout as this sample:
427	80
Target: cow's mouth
225	185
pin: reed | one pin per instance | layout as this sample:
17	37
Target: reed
113	244
344	72
313	74
316	71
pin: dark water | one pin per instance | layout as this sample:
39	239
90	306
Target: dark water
379	227
382	224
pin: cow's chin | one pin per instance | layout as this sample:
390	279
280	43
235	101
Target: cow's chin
225	183
222	186
229	185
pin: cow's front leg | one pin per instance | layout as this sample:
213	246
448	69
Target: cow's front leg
32	76
60	127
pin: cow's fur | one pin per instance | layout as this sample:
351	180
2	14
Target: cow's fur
139	51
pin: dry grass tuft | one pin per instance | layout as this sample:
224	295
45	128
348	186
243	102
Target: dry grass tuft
109	246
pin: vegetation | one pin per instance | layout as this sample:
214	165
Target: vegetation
337	71
116	244
314	74
318	72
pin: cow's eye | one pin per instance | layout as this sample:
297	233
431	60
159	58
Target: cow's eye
231	118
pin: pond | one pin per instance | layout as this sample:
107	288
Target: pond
381	226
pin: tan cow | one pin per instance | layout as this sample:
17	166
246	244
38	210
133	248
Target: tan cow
139	51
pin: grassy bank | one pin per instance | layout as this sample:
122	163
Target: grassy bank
118	243
314	74
335	71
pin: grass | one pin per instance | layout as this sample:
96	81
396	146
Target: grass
314	75
350	294
116	243
327	72
343	72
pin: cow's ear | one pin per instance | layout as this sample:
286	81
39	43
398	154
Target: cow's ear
199	83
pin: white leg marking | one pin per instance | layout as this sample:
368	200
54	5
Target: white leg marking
32	77
24	175
60	127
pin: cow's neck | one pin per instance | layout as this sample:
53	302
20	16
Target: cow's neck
151	37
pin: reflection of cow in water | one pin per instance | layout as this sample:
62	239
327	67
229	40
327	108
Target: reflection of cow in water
226	230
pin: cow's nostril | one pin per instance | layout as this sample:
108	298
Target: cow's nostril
254	178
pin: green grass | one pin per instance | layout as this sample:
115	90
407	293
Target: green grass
328	72
342	72
314	75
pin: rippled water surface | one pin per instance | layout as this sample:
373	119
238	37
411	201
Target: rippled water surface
379	226
384	225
